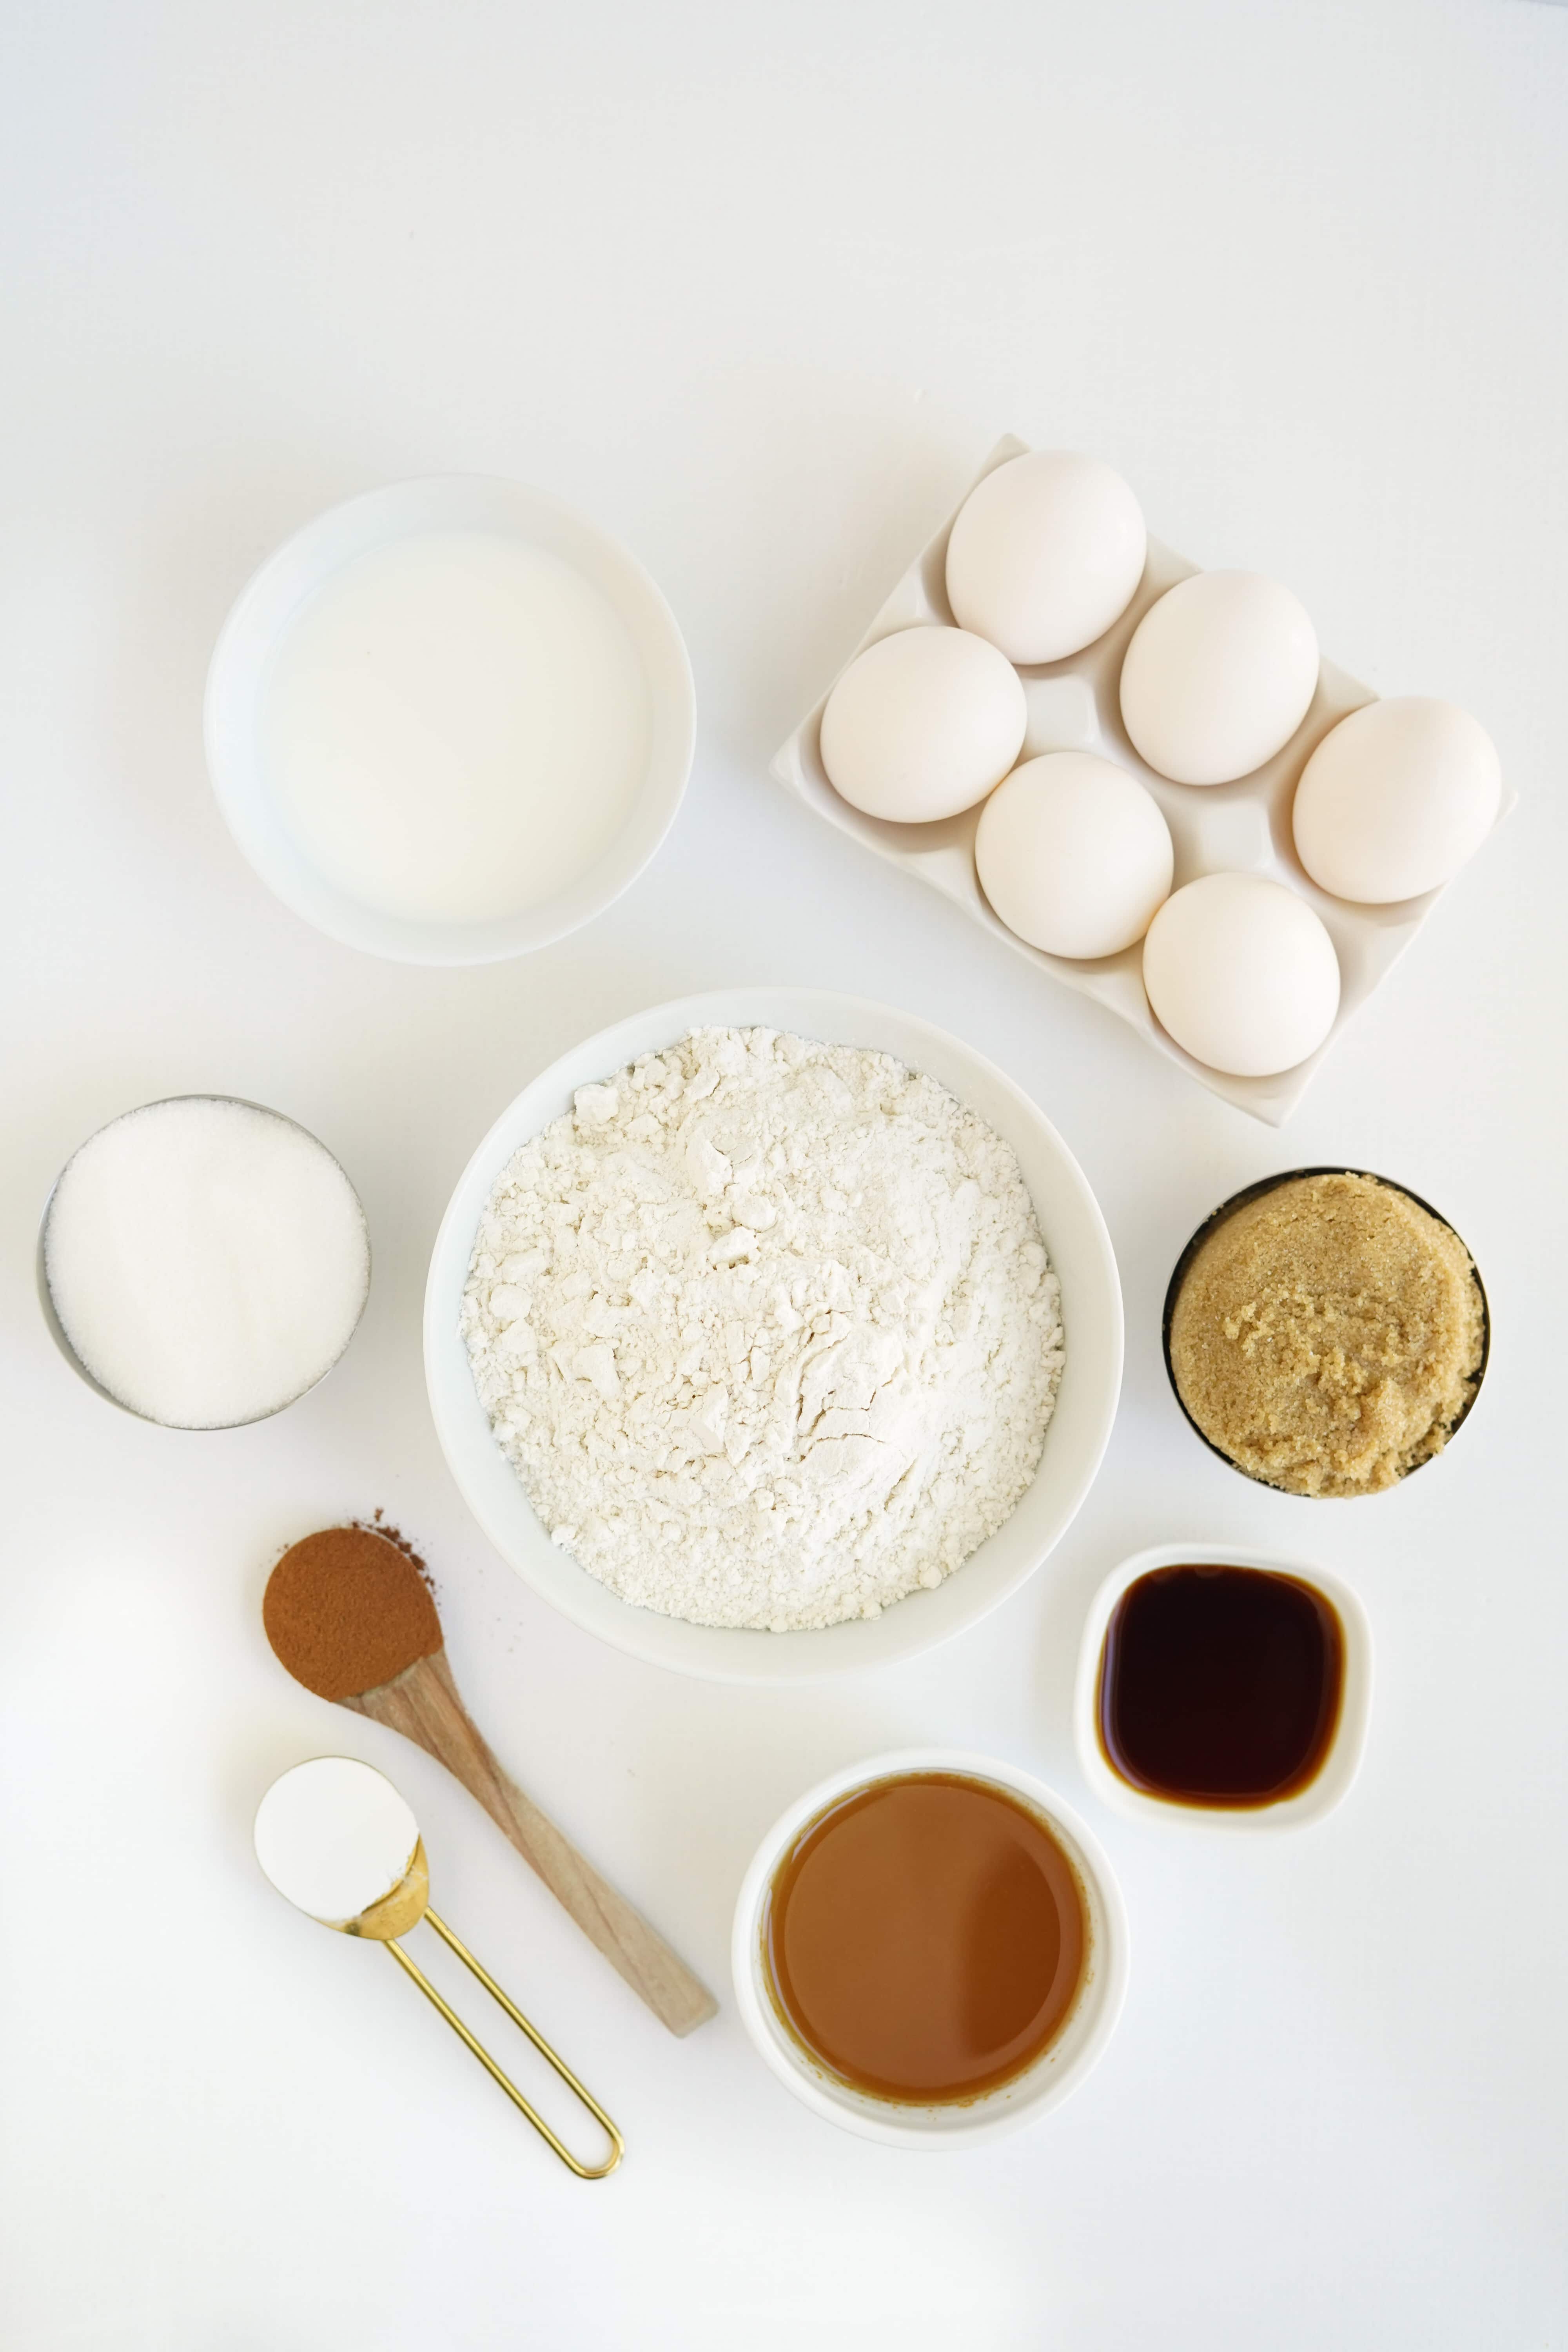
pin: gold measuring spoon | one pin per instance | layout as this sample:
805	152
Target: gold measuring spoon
339	1843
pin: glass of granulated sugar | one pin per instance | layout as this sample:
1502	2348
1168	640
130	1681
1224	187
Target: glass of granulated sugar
202	1262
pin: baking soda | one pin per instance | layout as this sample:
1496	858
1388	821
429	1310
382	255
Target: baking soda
334	1837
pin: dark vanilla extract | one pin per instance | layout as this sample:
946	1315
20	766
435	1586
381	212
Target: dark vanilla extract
1220	1686
925	1938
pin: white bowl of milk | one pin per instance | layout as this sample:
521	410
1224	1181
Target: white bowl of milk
449	721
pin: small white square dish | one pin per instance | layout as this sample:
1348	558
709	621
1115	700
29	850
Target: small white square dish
1330	1782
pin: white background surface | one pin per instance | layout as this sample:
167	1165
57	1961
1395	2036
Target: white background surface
755	288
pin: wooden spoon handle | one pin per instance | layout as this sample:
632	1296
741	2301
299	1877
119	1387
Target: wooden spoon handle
423	1705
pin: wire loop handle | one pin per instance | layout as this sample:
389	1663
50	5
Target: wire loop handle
411	1967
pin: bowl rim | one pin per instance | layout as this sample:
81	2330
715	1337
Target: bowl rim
476	500
1333	1781
672	1643
999	2112
1256	1191
56	1329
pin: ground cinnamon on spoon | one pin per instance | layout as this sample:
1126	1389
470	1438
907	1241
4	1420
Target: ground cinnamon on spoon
347	1610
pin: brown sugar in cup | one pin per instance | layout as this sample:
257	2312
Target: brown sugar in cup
1326	1333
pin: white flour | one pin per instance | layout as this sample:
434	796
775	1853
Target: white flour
767	1329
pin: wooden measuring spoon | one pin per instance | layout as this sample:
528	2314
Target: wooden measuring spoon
349	1616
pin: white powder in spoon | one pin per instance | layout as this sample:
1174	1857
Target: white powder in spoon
207	1260
767	1329
334	1837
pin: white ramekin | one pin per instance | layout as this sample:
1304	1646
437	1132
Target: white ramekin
1058	2071
237	681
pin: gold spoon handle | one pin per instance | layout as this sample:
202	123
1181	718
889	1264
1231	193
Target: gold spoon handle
411	1967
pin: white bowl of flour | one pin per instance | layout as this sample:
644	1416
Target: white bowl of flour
942	1334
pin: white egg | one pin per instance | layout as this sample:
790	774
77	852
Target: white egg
1218	677
1074	855
1394	799
1242	974
1046	554
923	724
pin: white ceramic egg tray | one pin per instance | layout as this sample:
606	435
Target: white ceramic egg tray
1244	827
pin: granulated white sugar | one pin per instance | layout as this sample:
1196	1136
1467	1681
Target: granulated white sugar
767	1329
207	1260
